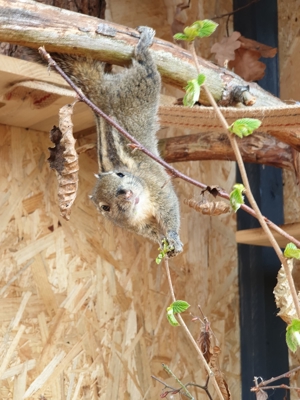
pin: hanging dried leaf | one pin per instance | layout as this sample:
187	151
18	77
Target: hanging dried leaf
261	395
64	159
214	190
204	340
225	50
208	207
283	296
214	364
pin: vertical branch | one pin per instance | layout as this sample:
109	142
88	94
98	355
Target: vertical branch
249	194
190	336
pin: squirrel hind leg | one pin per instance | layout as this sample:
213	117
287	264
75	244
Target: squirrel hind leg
146	39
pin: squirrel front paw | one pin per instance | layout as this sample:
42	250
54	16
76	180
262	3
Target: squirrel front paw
174	243
146	39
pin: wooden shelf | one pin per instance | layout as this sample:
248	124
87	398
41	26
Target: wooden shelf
257	236
22	112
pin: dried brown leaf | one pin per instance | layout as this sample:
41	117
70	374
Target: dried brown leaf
243	55
247	66
64	159
264	50
296	164
213	190
225	50
214	364
283	297
208	207
261	395
56	159
205	345
204	340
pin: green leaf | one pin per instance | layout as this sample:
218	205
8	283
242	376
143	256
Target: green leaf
191	32
293	335
164	251
236	196
291	251
159	258
201	79
244	127
197	29
171	317
192	93
180	36
193	90
179	306
208	27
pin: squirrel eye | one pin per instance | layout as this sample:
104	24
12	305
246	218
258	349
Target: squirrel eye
105	208
120	174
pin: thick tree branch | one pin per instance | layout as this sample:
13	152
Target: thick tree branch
258	148
32	24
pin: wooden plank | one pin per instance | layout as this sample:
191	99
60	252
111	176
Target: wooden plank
258	237
15	70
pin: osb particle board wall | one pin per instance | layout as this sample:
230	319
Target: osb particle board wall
289	61
82	305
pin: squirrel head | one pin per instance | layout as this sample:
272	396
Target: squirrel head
122	197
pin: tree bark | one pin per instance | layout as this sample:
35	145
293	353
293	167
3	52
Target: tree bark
95	8
258	148
33	24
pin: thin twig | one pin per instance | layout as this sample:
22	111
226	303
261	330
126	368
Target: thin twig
163	383
249	194
190	336
282	386
235	11
179	390
285	375
205	388
174	172
170	372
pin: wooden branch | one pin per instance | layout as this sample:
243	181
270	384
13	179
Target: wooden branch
258	148
32	24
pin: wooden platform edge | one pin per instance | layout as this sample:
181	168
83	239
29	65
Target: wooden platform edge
257	237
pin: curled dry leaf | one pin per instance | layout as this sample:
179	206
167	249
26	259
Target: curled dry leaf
283	296
64	159
209	207
261	395
247	66
204	340
243	55
214	190
264	50
214	364
225	50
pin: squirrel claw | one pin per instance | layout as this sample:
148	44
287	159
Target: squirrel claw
174	243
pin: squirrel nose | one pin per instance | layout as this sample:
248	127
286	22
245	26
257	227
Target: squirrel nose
126	193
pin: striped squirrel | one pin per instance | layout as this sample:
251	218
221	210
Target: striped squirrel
132	190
